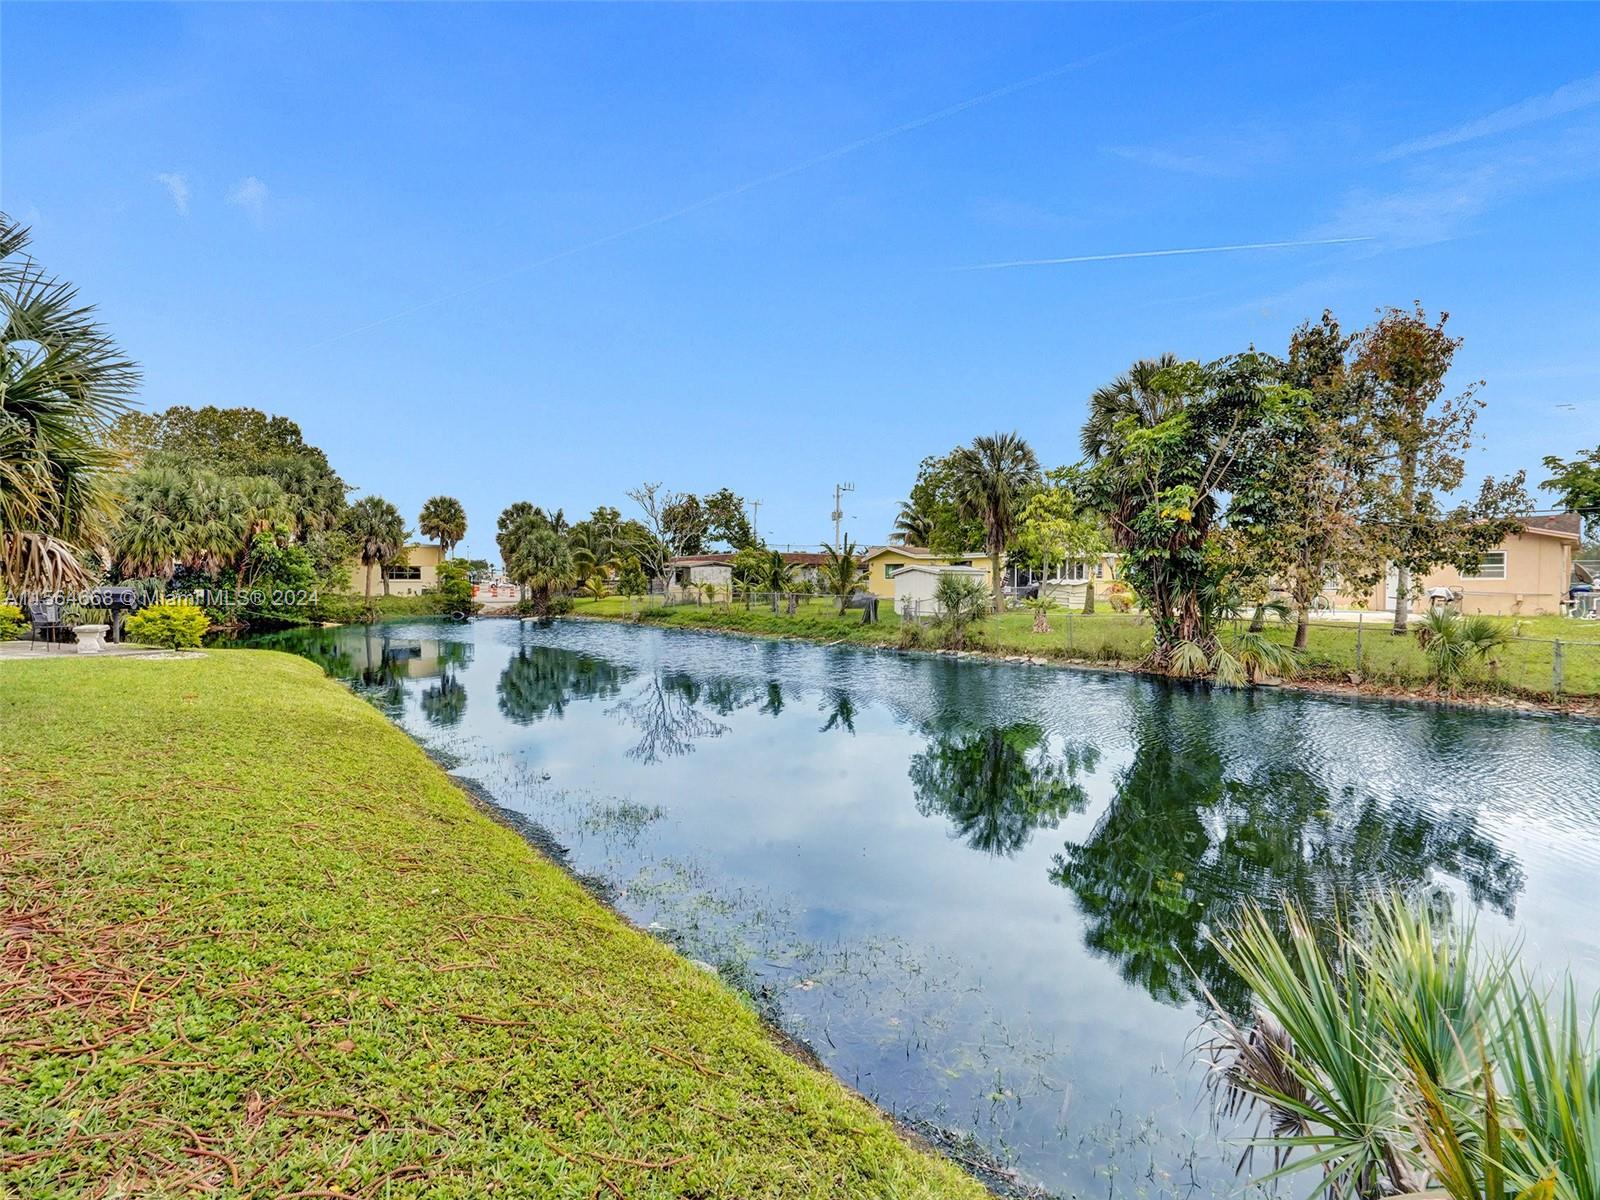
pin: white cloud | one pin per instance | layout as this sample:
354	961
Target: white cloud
177	185
1216	153
251	195
1439	201
1570	97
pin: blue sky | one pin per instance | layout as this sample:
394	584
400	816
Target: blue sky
545	252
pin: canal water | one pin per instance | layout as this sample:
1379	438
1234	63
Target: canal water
982	892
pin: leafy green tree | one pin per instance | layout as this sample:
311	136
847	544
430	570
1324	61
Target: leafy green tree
842	571
445	521
1404	358
727	522
454	589
1298	511
1576	483
379	533
631	580
1055	527
932	517
992	479
62	382
1166	444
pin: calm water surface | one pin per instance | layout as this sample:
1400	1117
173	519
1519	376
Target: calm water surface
982	892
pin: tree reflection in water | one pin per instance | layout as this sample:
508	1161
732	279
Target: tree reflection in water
444	703
1189	835
540	681
666	712
840	708
996	786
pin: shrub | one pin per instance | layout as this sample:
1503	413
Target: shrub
12	622
454	591
1120	596
962	602
175	624
911	636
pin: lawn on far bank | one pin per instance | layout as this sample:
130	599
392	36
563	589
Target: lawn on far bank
257	944
1526	665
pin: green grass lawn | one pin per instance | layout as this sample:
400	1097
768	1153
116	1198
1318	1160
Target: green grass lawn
257	944
1525	666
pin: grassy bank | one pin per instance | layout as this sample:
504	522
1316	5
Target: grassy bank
1525	667
257	944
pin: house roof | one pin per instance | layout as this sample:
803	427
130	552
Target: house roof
919	552
1562	525
799	558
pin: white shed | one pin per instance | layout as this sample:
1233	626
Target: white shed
914	587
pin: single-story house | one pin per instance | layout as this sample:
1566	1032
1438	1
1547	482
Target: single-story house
883	563
417	571
916	583
690	571
1528	575
1067	583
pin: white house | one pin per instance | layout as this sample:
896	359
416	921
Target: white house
914	587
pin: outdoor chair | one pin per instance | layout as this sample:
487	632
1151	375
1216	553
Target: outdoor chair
47	623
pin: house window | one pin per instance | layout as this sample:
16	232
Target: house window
1099	570
402	572
1490	566
1076	572
962	562
889	569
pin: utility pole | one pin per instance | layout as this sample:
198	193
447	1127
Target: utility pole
839	489
755	520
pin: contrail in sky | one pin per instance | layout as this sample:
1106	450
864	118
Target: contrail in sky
838	152
1083	258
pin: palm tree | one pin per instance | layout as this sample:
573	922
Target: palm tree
445	521
992	478
1454	643
841	574
912	527
1136	394
62	382
539	559
379	532
778	576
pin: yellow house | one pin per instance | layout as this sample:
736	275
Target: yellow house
418	571
882	562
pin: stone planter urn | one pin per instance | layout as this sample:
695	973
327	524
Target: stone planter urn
91	638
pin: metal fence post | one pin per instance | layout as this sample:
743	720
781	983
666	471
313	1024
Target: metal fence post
1360	625
1069	629
1557	672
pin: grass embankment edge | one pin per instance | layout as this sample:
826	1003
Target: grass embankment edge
1321	680
257	942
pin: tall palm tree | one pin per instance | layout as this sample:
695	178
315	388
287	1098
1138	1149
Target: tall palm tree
445	521
379	532
539	558
62	382
841	573
912	526
992	478
1136	394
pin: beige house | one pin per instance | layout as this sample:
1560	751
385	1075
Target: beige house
1527	575
417	571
